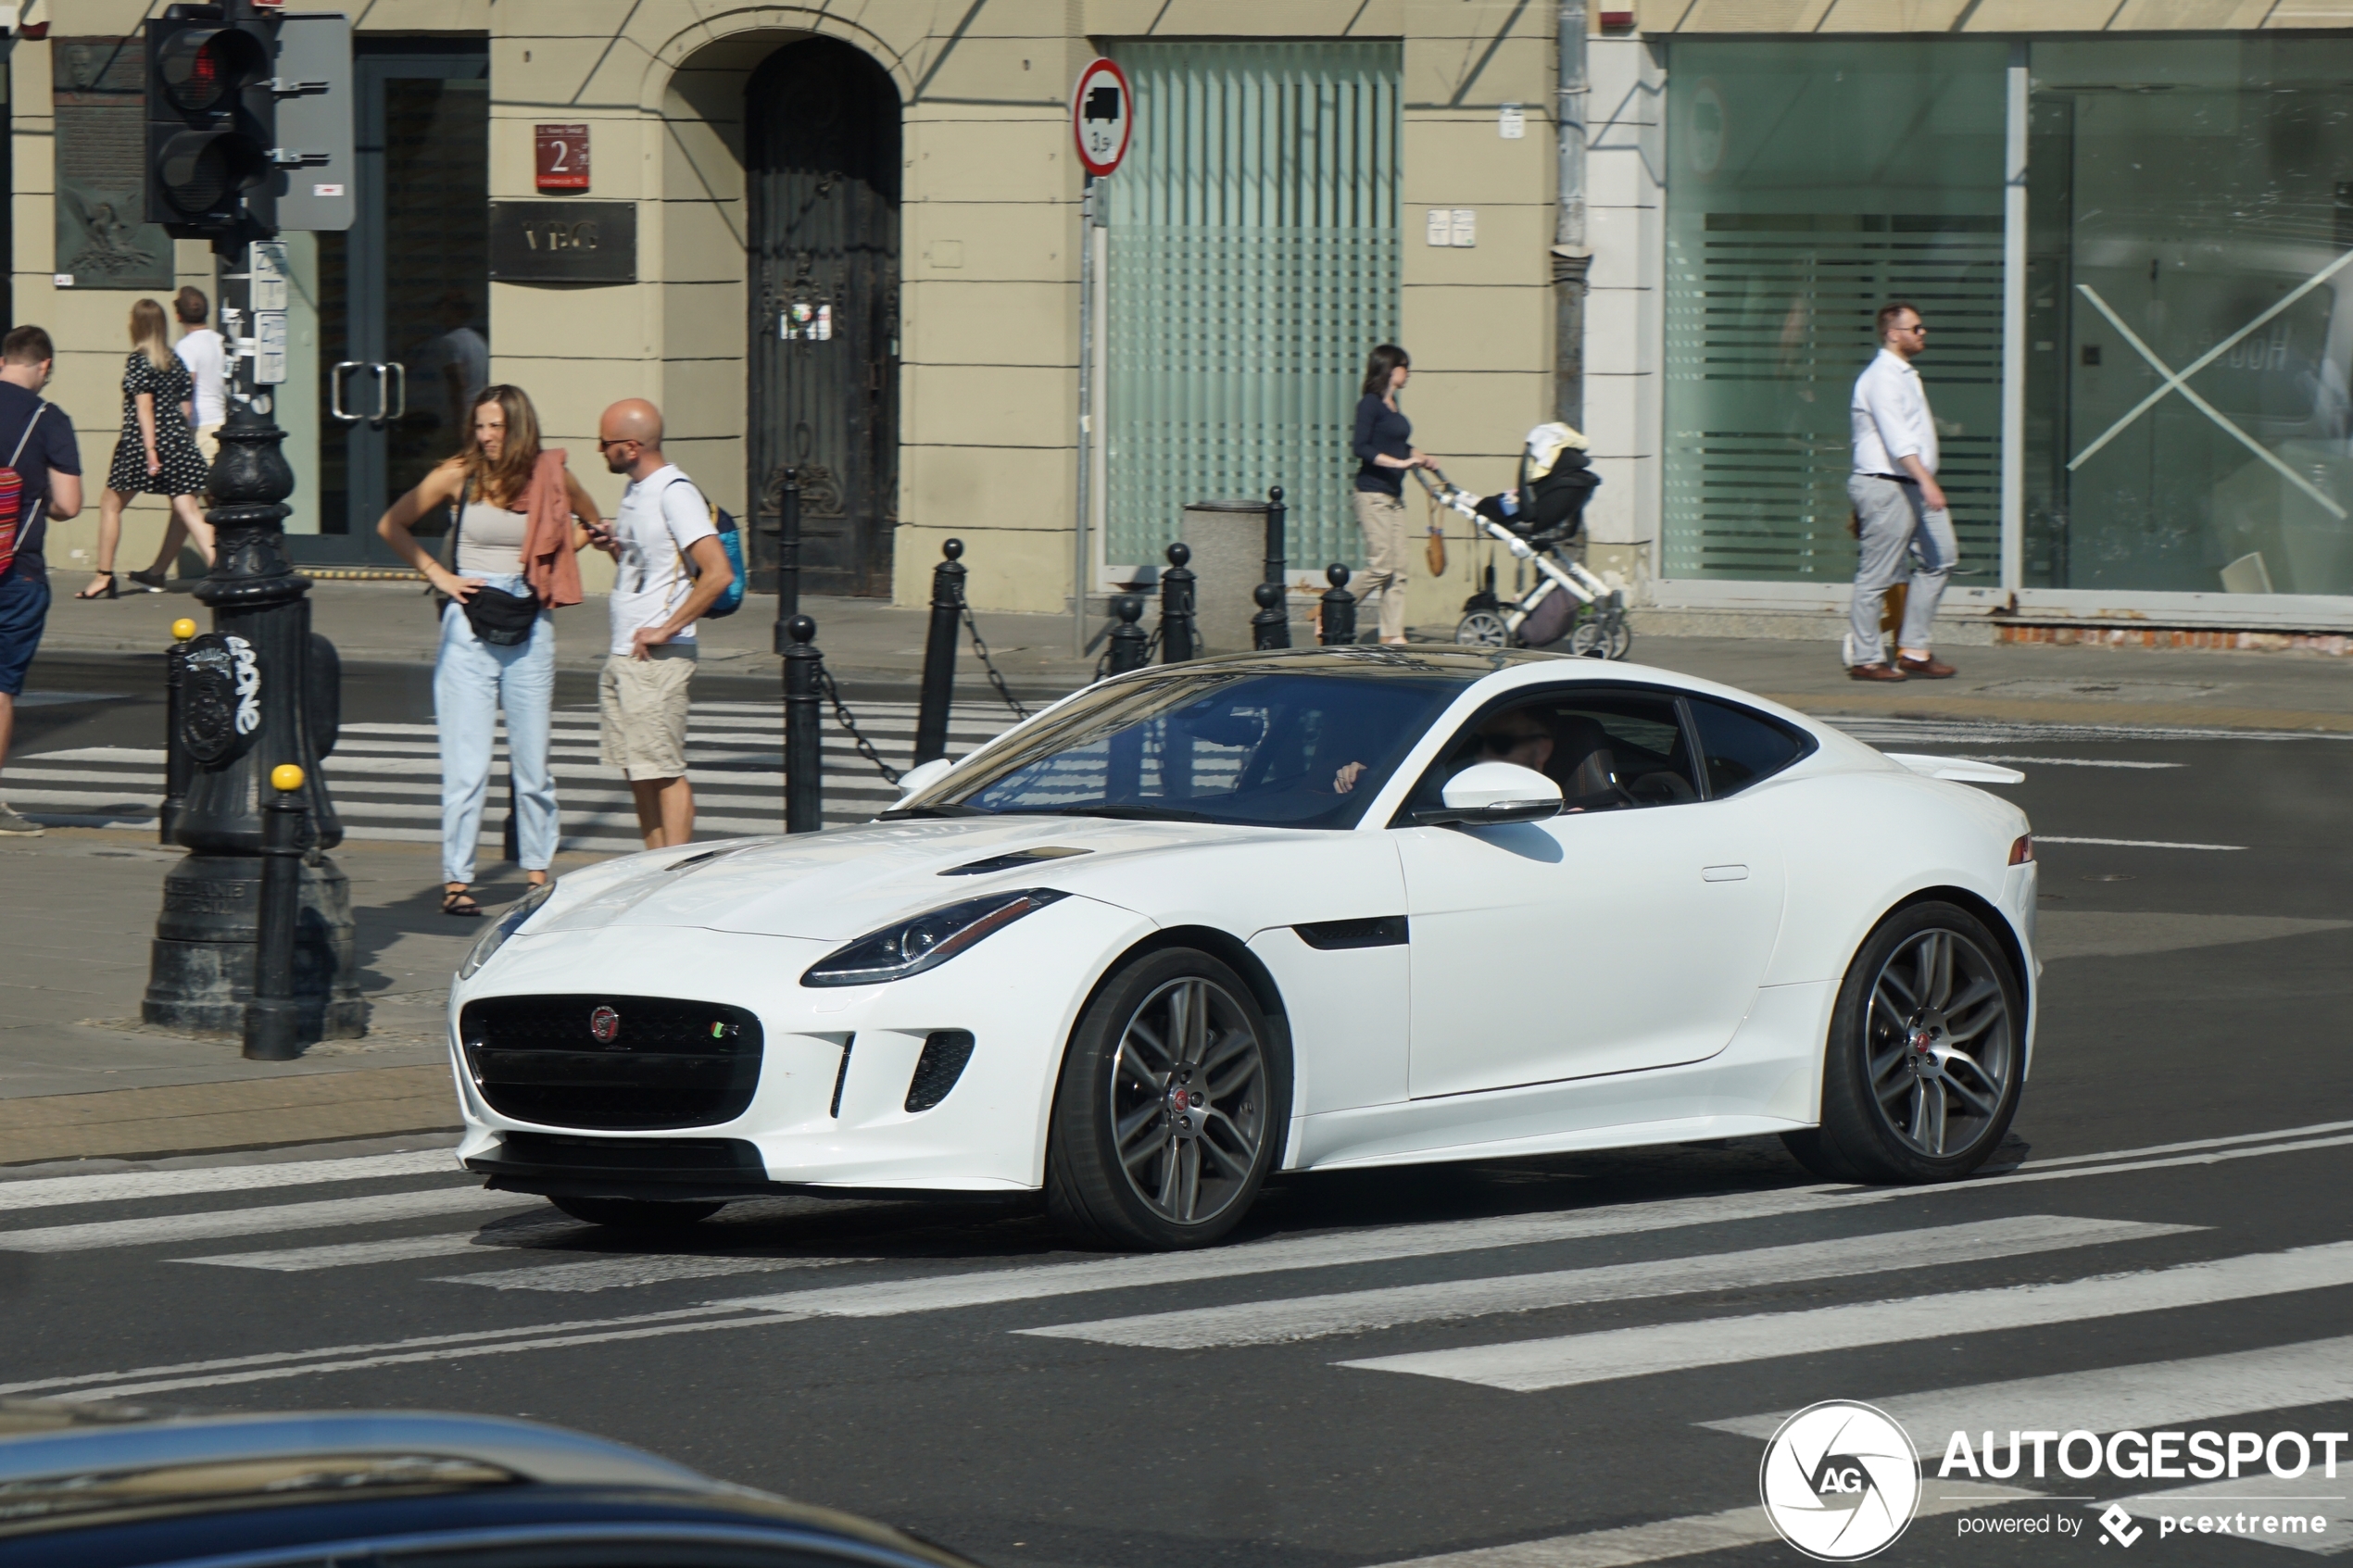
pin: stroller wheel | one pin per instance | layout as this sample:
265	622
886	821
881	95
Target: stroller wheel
1483	628
1621	637
1590	638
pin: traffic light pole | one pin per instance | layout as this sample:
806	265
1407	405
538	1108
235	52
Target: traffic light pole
251	700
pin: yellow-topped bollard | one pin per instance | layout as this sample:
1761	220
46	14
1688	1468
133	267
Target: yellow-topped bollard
183	629
285	778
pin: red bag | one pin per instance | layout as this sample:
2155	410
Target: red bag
12	518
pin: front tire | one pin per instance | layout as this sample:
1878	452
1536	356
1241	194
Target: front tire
1926	1056
636	1213
1171	1108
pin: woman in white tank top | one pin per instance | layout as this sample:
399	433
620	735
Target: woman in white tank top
473	679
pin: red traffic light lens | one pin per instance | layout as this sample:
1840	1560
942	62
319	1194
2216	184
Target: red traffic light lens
202	68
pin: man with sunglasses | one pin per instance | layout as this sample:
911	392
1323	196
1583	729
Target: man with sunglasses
1899	509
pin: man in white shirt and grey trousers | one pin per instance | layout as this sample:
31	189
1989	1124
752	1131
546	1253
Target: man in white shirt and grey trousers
1898	505
669	569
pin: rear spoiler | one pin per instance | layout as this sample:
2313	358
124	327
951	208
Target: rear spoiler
1958	769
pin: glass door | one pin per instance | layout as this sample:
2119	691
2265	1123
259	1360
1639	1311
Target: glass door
399	337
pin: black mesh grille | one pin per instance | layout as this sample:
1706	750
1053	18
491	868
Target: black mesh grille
945	1053
668	1063
700	1156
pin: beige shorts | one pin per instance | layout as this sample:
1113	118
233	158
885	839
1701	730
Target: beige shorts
641	707
209	440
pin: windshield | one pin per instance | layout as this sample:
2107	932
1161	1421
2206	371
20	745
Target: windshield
1246	745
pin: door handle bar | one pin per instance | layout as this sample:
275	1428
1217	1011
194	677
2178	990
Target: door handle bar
335	390
399	388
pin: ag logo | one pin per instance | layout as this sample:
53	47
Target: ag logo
1840	1481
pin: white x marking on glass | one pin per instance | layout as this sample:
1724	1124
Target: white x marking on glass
2178	381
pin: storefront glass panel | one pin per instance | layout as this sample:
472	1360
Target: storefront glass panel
1254	261
1809	183
2191	214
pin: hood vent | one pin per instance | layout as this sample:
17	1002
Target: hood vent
1018	857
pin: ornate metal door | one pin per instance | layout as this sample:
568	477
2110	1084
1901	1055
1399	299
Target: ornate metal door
822	164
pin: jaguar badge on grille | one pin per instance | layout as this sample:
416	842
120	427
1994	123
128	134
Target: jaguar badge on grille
605	1024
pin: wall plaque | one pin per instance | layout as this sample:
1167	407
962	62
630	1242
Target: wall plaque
98	97
560	156
563	242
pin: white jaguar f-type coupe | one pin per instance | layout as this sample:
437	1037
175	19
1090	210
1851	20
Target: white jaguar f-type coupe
1283	912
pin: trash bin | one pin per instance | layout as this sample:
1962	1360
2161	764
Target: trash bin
1228	542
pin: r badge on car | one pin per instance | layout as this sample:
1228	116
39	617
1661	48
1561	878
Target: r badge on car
605	1024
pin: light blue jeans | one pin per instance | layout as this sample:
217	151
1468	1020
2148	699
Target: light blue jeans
471	681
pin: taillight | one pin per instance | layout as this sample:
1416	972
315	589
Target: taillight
2023	851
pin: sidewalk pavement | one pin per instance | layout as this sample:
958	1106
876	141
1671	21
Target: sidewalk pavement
876	649
81	1080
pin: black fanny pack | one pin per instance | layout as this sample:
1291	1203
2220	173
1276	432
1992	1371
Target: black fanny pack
498	618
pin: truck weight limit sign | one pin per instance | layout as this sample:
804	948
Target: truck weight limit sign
1103	116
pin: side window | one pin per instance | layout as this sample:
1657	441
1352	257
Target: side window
1740	747
1607	747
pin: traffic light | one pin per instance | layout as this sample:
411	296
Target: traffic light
211	118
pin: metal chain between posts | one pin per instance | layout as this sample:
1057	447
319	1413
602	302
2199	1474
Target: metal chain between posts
848	722
980	651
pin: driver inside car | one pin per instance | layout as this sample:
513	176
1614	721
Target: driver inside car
1519	737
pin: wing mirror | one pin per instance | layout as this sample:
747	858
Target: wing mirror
1487	793
914	781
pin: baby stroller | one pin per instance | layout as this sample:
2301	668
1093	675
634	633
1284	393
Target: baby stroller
1538	521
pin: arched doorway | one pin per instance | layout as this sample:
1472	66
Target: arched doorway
822	173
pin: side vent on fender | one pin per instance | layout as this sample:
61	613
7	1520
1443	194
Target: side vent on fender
945	1053
1381	931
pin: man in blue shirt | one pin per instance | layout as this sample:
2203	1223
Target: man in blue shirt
49	465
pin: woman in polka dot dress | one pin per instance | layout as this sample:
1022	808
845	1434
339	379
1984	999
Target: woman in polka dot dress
158	455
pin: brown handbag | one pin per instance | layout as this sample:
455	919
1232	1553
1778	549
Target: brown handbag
1437	552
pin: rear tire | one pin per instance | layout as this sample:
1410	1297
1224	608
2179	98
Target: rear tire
1926	1055
1124	1167
636	1213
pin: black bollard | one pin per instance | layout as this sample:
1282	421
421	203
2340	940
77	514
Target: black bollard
1129	647
804	741
274	1018
1270	628
1176	605
1340	609
939	655
177	766
1277	536
788	555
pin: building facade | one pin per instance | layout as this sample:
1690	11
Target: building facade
848	240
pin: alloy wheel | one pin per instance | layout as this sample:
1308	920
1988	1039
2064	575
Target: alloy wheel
1189	1101
1942	1046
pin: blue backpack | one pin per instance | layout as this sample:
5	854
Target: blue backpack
731	539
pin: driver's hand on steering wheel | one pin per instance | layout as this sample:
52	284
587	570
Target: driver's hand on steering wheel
1345	780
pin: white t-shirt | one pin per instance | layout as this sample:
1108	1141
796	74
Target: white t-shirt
662	517
202	351
1891	416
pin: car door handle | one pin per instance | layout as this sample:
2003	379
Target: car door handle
1723	873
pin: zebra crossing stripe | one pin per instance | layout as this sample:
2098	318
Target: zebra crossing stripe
1358	1312
115	1187
1573	1360
402	1249
148	1229
2142	1398
1669	1538
624	1270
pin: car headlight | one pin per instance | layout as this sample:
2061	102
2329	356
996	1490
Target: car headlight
926	941
506	925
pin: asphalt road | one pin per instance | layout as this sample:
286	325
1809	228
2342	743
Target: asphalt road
2194	996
